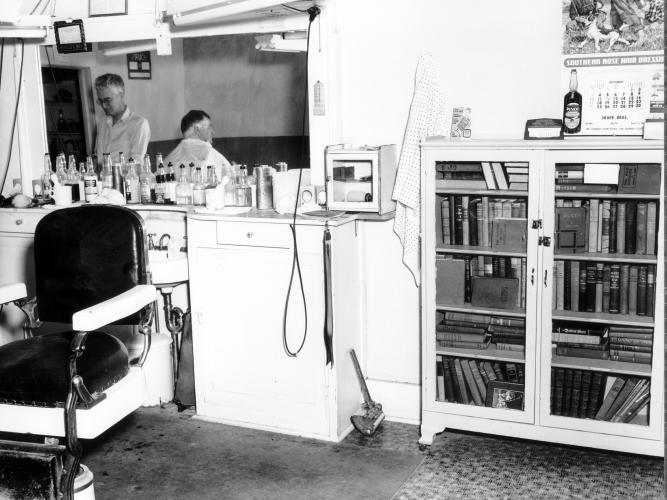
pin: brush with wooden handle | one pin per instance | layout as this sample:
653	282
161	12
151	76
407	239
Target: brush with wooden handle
370	420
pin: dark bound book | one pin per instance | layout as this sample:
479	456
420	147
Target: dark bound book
567	284
591	275
452	219
650	289
571	229
567	392
643	178
583	273
640	235
613	211
630	226
642	281
586	380
468	279
606	287
472	221
449	384
614	288
595	395
558	382
576	393
458	220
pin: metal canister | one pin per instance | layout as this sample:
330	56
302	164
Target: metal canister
117	180
264	179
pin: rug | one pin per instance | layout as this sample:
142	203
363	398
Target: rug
156	453
472	466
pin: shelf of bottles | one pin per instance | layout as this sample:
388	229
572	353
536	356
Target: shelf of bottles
139	183
480	251
606	223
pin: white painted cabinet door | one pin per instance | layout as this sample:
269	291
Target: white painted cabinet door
243	373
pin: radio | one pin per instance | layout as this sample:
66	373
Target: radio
360	179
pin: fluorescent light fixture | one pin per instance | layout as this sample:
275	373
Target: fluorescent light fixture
217	10
129	49
278	43
24	26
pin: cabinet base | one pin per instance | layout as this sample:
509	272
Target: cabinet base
433	422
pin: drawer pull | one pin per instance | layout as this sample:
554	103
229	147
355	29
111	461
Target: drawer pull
18	222
250	234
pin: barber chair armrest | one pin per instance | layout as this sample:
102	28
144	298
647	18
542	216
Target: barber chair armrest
113	309
12	292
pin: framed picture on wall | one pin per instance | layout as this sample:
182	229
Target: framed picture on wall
107	7
139	65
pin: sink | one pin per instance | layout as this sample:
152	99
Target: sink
168	268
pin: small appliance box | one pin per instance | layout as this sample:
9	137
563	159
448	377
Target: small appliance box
360	179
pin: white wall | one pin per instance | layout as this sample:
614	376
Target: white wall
500	59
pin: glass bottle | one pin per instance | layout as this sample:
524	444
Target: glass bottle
107	171
47	186
123	164
243	189
146	182
89	181
160	183
183	190
61	172
198	194
572	107
72	179
132	192
214	199
170	192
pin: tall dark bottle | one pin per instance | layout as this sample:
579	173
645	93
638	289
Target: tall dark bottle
572	107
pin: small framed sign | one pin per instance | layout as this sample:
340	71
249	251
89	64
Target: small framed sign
107	7
70	37
139	65
504	395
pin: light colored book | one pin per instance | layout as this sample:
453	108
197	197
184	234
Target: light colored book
488	175
601	173
499	174
593	213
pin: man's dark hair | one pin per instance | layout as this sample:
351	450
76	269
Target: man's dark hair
109	80
191	117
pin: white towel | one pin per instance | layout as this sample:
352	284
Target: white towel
426	119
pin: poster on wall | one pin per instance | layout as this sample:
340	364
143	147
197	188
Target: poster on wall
139	65
613	53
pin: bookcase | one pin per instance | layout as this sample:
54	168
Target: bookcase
542	291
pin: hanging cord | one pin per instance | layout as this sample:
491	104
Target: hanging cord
16	110
314	12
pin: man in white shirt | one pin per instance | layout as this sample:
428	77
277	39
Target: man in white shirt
196	145
120	130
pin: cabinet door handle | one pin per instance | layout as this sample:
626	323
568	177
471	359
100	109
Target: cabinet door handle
545	278
532	276
18	222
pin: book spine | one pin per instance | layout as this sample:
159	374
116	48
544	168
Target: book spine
632	289
472	386
597	383
472	222
631	341
439	379
585	188
560	285
497	369
629	347
524	278
651	218
452	219
449	326
444	221
462	345
567	392
620	227
614	288
567	281
640	235
486	222
591	273
650	289
450	373
606	287
599	232
467	285
613	214
477	375
557	382
574	285
465	399
623	292
599	286
458	220
642	281
479	209
449	384
575	352
576	393
465	220
630	227
586	379
604	233
583	297
608	400
593	213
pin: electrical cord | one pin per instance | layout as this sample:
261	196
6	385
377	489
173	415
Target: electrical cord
313	12
16	110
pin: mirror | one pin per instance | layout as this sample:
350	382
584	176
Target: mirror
256	99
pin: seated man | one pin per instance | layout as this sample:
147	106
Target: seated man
196	144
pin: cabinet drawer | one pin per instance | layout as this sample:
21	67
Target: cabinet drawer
12	221
254	234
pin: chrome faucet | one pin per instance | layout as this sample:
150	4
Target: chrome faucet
151	241
161	245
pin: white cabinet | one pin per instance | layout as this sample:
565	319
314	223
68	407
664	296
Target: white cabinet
530	382
240	273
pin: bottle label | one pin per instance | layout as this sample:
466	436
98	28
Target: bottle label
572	115
145	193
90	188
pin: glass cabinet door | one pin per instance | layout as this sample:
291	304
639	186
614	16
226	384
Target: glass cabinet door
601	302
479	274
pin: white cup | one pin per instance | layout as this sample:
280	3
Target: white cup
62	195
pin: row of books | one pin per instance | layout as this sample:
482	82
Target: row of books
606	226
641	178
594	395
478	335
482	280
604	287
482	175
468	381
630	344
483	221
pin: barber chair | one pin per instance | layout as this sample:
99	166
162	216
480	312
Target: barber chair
91	271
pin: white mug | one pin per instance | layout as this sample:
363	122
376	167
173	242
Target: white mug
62	195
